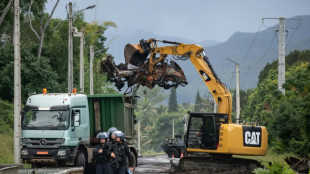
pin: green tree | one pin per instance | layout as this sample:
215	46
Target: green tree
173	103
198	103
285	116
36	74
6	116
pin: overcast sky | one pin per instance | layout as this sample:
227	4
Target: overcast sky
196	20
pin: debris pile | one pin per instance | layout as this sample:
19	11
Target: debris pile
136	70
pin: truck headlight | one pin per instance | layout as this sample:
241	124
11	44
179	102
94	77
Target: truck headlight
61	153
24	152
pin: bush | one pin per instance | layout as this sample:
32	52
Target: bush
7	148
276	168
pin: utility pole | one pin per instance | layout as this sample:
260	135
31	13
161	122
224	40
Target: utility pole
281	46
281	59
70	50
173	128
81	35
237	91
139	136
214	106
91	78
17	83
185	120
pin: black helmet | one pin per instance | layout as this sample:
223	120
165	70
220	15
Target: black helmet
111	130
119	134
103	135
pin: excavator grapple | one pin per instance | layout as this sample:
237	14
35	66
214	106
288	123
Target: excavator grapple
136	70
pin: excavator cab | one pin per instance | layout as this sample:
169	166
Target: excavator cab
203	130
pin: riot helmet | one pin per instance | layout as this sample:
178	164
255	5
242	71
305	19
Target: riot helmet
103	135
111	130
119	134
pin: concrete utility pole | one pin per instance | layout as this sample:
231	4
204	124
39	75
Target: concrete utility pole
70	50
281	59
17	83
81	35
185	121
237	91
139	137
91	78
173	128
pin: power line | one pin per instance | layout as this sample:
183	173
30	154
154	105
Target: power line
249	66
246	75
60	23
266	50
252	43
296	28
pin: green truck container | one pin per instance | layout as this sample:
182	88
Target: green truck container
111	110
60	129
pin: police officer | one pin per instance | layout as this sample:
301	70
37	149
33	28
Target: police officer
102	154
112	137
121	153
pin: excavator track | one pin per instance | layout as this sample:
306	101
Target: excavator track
216	164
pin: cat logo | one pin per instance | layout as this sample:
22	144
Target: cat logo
205	77
252	136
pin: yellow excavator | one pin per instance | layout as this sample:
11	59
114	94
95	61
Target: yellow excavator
211	138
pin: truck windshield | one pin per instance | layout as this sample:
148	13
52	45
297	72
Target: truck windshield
45	120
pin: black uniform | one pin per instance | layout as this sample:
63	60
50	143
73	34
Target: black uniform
119	165
103	159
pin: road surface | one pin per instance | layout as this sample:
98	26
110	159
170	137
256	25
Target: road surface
155	164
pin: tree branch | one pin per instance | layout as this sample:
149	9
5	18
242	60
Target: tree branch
42	18
7	8
49	19
30	22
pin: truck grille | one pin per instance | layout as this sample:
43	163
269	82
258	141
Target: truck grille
43	142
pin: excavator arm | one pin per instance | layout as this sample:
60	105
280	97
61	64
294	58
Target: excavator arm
197	56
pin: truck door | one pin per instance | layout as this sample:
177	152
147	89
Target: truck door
79	127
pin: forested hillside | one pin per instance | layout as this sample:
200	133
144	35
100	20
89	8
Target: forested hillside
285	116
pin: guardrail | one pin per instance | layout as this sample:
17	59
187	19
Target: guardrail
72	170
8	169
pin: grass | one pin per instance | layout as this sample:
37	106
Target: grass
7	148
269	157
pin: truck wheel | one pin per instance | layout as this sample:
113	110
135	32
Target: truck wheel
134	160
169	153
80	159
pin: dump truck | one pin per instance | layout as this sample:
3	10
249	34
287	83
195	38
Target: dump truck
59	129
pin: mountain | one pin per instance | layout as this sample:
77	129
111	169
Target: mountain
259	55
252	61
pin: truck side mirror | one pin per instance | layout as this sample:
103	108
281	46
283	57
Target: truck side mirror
76	119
